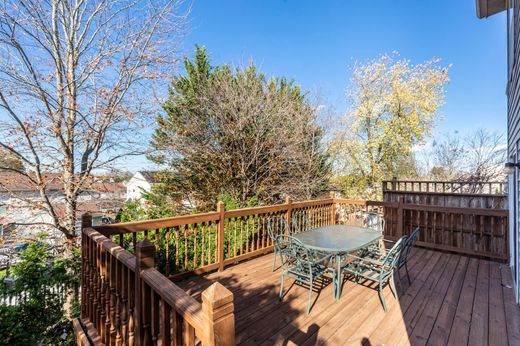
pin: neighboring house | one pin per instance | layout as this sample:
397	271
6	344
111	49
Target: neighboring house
139	183
486	8
22	212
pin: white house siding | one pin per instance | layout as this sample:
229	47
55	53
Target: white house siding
136	186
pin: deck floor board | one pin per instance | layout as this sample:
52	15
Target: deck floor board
452	299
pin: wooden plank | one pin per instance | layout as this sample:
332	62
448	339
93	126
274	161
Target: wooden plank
413	309
511	309
461	323
478	334
393	321
433	303
442	326
497	317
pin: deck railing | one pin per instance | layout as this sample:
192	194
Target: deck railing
128	302
127	289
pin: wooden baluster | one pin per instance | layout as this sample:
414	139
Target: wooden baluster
218	308
262	220
177	324
257	228
220	235
186	260
241	235
154	324
246	227
131	308
230	249
235	237
100	291
215	243
167	250
177	264
110	299
165	327
116	293
202	244
188	335
124	303
195	257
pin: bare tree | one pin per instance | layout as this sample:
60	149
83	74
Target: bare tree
76	81
477	157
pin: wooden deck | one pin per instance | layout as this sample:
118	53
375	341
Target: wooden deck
452	300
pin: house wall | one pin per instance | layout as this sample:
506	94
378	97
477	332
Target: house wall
513	129
135	187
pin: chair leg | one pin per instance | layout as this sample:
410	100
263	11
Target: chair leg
274	260
407	273
382	297
310	298
392	287
281	290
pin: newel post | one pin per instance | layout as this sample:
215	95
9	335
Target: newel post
220	234
86	222
218	309
144	259
333	208
288	216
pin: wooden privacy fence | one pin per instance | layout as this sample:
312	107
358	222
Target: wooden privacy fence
469	231
455	187
128	302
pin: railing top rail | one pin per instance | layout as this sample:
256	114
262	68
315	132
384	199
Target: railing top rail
145	225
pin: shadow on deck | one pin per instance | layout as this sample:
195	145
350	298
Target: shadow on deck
452	299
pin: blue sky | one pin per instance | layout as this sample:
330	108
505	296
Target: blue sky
315	43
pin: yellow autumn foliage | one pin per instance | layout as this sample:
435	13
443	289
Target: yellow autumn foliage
394	105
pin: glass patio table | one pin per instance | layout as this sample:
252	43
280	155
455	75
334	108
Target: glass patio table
338	240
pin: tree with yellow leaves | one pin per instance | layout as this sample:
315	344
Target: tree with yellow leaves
393	106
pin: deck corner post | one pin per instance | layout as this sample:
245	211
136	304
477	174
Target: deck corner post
144	259
218	309
288	216
86	221
220	234
333	207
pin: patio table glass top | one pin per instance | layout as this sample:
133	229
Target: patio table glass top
338	238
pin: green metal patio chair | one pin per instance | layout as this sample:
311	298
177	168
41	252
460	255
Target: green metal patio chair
301	264
403	259
374	221
277	225
301	222
370	219
407	248
378	271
